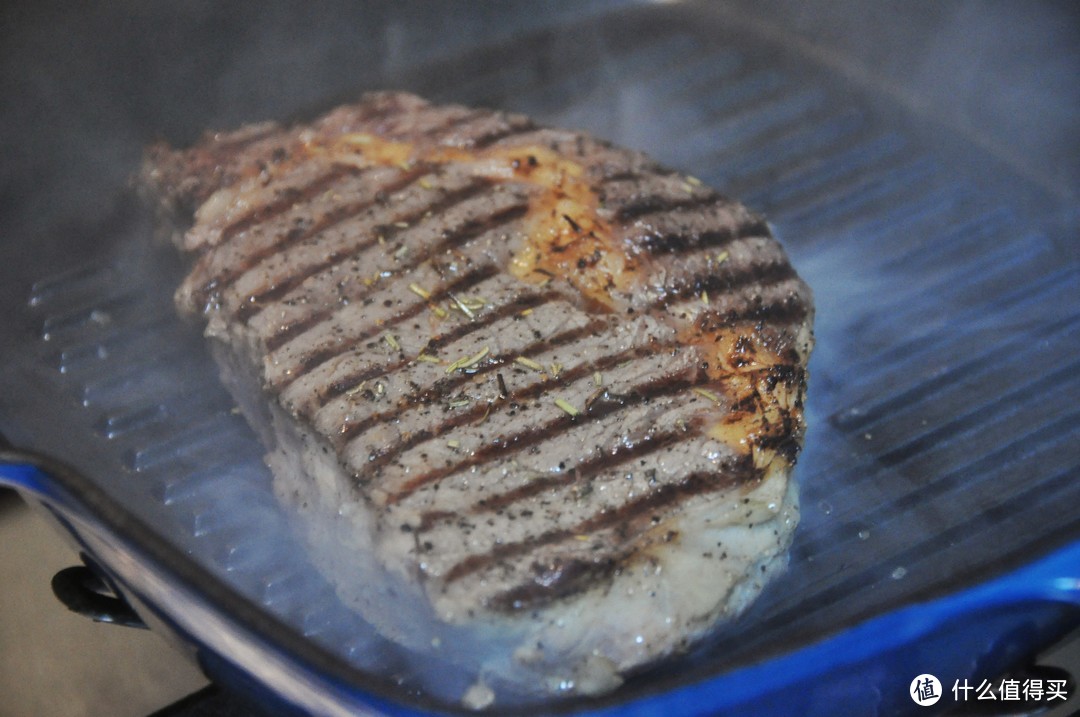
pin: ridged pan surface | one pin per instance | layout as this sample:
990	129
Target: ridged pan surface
944	431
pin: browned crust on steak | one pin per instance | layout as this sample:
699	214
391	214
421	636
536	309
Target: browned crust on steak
486	320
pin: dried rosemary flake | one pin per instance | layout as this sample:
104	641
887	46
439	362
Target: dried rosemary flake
463	363
556	367
722	257
356	389
461	305
687	188
438	311
425	183
707	394
473	302
567	406
597	378
428	359
389	338
401	252
453	444
528	363
401	225
526	312
705	298
460	403
419	291
582	538
693	181
478	357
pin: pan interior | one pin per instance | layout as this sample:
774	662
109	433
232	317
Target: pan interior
943	441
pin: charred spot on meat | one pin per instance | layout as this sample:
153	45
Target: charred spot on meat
549	391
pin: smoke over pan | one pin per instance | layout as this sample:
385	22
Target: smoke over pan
924	194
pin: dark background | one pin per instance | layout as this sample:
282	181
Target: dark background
85	86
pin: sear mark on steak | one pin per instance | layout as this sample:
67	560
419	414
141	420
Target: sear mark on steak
552	390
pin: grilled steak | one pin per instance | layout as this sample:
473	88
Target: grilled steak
553	390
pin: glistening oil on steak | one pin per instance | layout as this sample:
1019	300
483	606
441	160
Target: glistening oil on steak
547	392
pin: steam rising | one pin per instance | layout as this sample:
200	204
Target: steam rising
86	90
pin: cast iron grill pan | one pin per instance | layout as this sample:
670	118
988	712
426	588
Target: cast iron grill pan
944	438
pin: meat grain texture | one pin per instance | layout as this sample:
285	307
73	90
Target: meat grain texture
545	393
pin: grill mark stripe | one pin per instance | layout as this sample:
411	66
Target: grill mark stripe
698	483
227	275
584	470
527	438
368	112
662	246
446	123
447	200
625	175
572	374
789	310
718	285
315	358
517	304
469	230
641	392
656	204
380	459
486	140
218	165
231	162
456	122
658	244
233	146
574	576
449	384
290	197
372	111
261	214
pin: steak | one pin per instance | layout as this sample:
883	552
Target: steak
546	392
